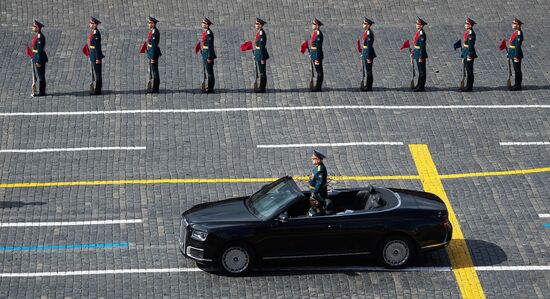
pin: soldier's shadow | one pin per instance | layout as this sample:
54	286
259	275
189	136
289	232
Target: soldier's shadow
19	204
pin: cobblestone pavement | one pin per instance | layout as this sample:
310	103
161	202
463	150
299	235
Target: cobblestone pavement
498	214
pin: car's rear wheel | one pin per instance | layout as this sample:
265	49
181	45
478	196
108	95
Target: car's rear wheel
395	252
236	259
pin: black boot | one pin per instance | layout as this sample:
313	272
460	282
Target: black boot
263	83
97	89
42	89
370	79
319	83
210	87
156	85
420	85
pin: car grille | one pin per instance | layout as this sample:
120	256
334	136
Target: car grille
183	235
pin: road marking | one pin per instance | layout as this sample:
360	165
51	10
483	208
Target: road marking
544	215
70	223
459	254
312	269
267	180
48	247
259	109
547	225
340	144
75	149
525	143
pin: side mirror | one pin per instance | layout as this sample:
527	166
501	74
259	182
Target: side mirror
283	217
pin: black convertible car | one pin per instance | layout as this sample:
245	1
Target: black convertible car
393	224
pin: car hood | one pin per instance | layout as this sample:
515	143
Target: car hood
224	211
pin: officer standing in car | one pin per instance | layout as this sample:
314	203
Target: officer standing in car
318	185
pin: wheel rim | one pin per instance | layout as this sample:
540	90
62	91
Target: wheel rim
235	259
396	253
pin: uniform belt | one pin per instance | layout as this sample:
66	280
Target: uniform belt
313	48
256	47
205	47
365	47
417	47
34	51
466	46
92	47
149	46
512	47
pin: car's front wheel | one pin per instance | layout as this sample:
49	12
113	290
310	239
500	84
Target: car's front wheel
395	252
236	259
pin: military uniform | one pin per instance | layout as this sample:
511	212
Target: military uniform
367	53
469	54
316	54
153	53
39	58
418	53
261	55
96	55
208	55
318	186
515	54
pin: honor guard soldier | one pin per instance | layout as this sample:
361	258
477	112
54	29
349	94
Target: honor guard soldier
260	54
367	53
515	54
419	54
96	56
39	58
316	53
153	54
469	53
208	54
318	185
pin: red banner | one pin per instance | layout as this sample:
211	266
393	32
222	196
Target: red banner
406	45
502	44
304	47
197	47
29	52
86	50
246	46
358	46
143	48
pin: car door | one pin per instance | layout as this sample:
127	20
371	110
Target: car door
358	232
302	236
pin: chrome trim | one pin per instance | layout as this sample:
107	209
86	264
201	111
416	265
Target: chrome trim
188	252
314	255
434	245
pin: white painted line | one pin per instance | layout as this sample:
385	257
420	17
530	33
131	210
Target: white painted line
100	272
544	215
76	149
312	269
70	223
256	109
326	144
525	143
513	268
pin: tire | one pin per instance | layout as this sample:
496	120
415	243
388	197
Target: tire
396	252
236	259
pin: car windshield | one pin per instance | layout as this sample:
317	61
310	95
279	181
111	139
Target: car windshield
269	201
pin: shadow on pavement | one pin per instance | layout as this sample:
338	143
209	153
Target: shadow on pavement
19	204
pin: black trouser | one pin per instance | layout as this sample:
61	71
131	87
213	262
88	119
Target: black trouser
421	74
469	66
154	75
263	75
518	74
320	74
96	69
209	68
368	72
40	72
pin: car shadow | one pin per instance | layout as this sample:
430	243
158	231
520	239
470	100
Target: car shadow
483	254
19	204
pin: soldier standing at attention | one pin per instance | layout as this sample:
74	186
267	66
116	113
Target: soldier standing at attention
208	54
153	54
367	52
316	53
260	53
318	185
515	54
96	56
469	53
419	54
39	57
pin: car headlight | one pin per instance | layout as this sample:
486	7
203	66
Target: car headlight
199	235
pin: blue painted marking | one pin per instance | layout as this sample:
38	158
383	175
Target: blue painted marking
547	225
76	246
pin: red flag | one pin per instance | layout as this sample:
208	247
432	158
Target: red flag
406	45
86	50
246	46
143	48
358	46
304	47
29	52
197	47
502	44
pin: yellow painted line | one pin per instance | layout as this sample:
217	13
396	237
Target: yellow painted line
494	173
459	254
